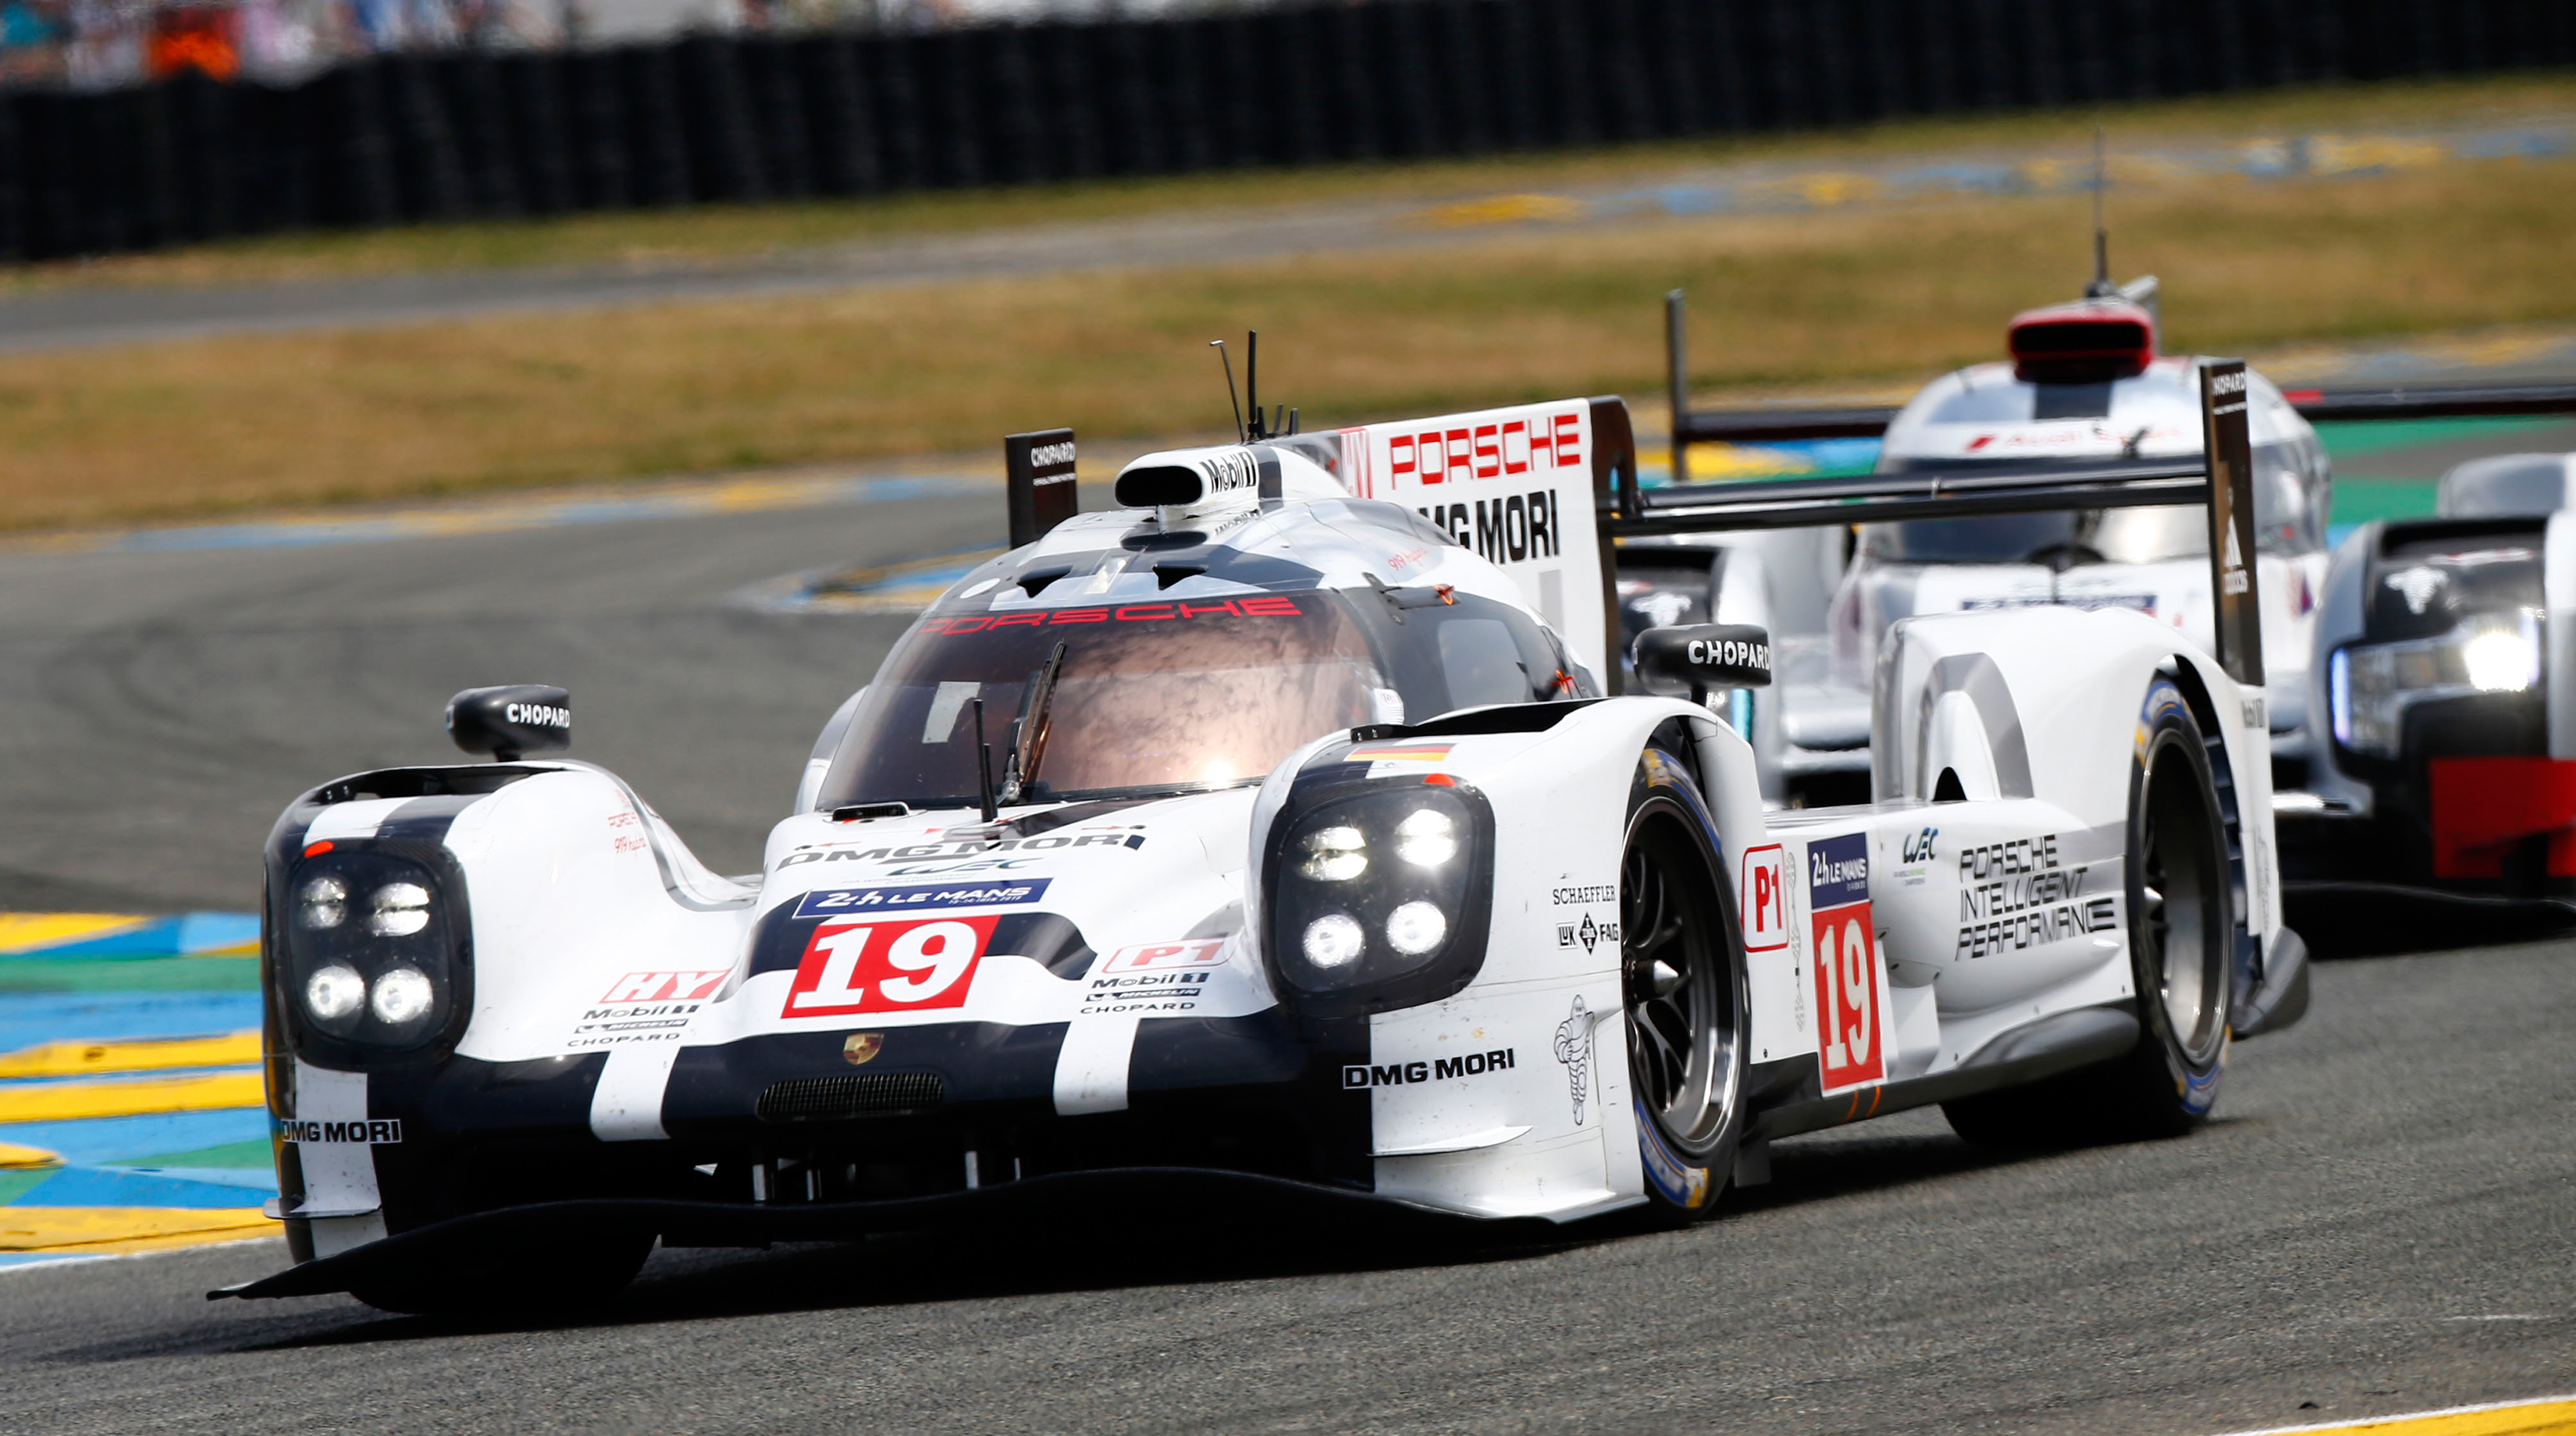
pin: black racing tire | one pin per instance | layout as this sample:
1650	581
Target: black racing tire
1685	1005
2182	928
571	1277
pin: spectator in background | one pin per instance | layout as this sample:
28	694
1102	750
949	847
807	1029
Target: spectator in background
32	33
194	37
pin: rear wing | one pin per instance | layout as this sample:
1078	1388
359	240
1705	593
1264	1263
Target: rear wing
2224	484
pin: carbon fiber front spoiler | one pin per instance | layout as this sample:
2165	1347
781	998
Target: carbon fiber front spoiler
1050	1200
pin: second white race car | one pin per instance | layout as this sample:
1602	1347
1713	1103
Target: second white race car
2085	385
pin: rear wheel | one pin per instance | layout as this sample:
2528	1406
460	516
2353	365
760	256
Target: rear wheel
1683	989
2182	926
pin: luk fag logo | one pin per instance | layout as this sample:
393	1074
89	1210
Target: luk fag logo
868	965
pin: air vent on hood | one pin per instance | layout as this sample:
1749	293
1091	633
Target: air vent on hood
841	1099
2092	341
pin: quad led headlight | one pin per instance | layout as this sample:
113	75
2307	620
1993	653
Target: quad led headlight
370	960
1376	895
2370	686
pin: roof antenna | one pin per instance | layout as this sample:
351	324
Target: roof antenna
1252	379
1219	346
2101	286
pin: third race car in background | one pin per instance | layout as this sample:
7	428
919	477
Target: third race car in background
2443	698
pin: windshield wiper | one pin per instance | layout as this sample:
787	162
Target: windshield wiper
1028	738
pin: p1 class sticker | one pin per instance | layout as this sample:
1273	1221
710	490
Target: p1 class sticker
1683	1185
1847	1027
856	965
1161	956
1763	895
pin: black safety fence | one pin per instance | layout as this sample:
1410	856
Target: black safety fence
709	118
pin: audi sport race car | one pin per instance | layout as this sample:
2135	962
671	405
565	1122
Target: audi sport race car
2445	691
1283	831
2084	385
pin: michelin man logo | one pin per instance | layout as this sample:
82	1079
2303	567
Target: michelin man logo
1574	1049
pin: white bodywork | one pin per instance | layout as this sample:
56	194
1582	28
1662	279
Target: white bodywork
594	929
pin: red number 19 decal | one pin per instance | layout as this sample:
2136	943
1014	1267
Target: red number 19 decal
872	965
1847	1046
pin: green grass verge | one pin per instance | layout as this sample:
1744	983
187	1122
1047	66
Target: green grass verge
155	974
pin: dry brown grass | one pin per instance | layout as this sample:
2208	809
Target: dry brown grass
200	426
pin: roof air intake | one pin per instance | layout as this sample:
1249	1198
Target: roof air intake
2092	341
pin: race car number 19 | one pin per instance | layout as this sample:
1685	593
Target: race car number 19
1847	1045
874	966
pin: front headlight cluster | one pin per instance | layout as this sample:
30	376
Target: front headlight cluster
370	957
2370	686
1377	896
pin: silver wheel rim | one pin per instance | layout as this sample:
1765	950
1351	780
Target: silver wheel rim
2181	899
1679	996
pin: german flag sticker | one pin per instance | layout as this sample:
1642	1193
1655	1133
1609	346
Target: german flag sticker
1427	754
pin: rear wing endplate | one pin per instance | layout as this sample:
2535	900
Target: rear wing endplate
1038	469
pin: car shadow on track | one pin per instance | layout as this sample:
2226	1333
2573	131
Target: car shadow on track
907	1269
915	1268
1850	1165
1156	1249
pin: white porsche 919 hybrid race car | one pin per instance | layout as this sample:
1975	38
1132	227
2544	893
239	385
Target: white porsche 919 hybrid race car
1274	833
2085	385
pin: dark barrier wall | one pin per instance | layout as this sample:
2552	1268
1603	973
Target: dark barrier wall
709	118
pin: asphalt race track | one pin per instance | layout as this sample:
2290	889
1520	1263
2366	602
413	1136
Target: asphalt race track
2379	1221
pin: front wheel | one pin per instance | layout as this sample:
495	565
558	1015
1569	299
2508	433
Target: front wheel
1682	986
2182	925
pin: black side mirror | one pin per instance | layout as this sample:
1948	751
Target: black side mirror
1706	656
510	720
